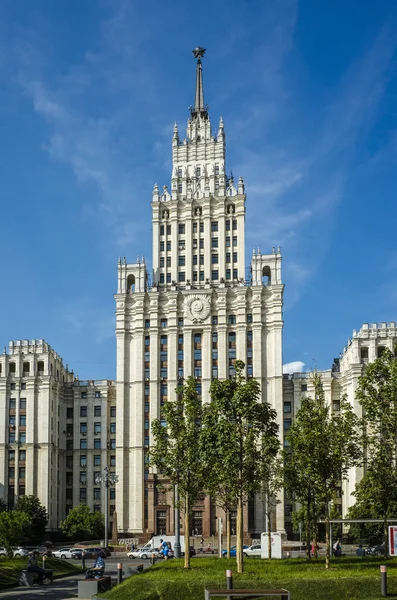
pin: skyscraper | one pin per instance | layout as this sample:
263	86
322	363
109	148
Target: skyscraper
195	315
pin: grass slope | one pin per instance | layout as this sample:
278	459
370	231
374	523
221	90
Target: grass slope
348	579
11	567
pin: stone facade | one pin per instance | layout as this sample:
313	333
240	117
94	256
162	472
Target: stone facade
56	432
196	315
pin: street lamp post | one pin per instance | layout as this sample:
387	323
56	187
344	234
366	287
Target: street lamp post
107	478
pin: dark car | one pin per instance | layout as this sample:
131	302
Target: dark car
378	550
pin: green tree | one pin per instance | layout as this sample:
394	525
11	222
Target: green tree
176	449
377	393
81	524
241	435
324	445
3	505
13	528
37	514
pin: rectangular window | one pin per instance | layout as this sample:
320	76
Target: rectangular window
161	229
69	413
180	322
112	427
69	444
304	387
163	323
216	169
201	259
83	477
234	224
235	273
179	171
234	240
83	444
214	275
97	394
168	229
83	428
161	277
97	411
168	277
112	444
21	473
181	276
214	259
161	246
215	320
147	323
162	261
228	242
112	460
179	188
22	456
22	437
97	444
287	407
287	423
22	403
228	257
168	261
181	261
194	275
22	420
234	257
227	225
11	472
23	386
83	411
84	394
97	460
83	460
195	259
198	171
214	242
113	411
194	227
97	428
12	403
168	245
146	441
232	319
201	244
201	227
201	275
112	493
97	493
214	226
11	437
83	494
249	318
69	462
181	228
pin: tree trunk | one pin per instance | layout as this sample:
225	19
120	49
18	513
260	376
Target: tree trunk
239	540
327	544
269	533
308	536
386	536
228	534
187	533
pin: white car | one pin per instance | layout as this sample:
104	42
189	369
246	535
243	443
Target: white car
253	550
63	553
21	551
3	552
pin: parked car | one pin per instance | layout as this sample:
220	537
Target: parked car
233	551
144	554
376	550
63	553
77	553
3	552
253	550
20	551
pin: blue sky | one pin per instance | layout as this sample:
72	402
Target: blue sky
89	92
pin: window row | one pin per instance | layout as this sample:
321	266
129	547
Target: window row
199	226
84	411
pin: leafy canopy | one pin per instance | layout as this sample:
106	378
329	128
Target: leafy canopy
80	523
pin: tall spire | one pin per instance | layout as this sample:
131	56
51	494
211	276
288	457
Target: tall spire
199	106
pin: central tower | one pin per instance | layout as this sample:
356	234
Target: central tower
196	316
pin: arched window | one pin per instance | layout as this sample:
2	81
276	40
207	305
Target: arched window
130	284
266	275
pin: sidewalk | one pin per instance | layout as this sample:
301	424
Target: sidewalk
60	589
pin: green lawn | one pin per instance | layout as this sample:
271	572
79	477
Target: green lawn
11	567
348	579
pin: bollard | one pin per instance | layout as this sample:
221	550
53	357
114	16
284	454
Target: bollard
83	561
119	573
44	559
383	580
229	581
153	559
